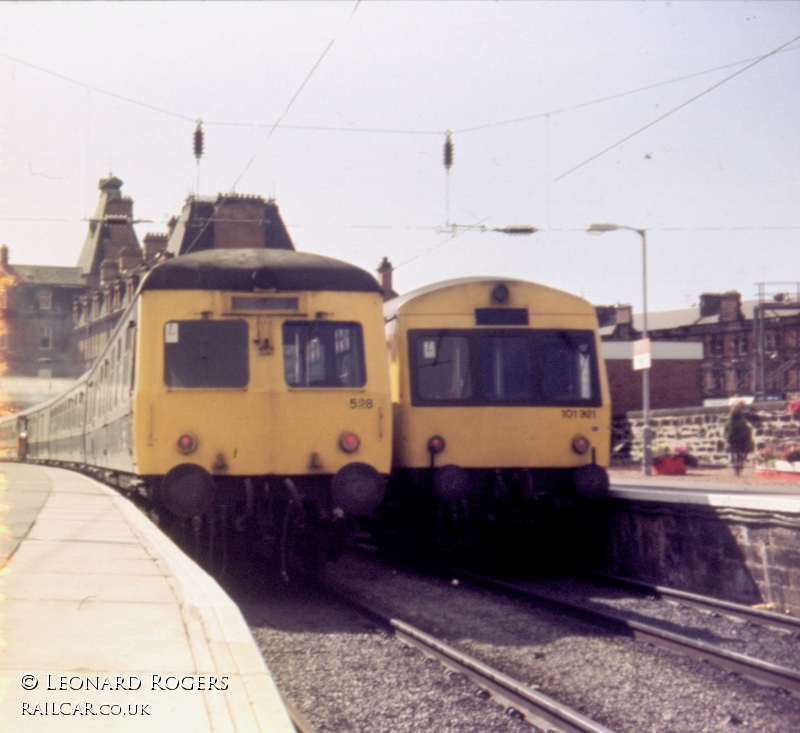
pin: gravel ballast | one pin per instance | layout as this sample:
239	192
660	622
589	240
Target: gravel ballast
344	674
627	686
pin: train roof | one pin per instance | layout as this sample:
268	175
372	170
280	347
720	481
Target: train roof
247	270
391	307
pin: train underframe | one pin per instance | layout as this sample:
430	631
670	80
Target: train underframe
504	517
296	523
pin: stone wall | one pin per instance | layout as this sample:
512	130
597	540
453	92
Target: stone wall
739	555
701	430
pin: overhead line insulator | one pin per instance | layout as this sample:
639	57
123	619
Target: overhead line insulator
448	152
198	140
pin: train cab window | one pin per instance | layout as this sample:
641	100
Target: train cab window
323	354
443	368
506	367
566	366
206	354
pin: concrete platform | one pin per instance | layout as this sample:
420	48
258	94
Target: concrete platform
711	487
109	626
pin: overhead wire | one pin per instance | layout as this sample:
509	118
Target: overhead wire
274	127
381	130
679	107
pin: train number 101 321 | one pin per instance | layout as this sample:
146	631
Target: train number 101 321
571	412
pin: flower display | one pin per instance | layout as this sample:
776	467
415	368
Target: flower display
791	453
667	456
767	456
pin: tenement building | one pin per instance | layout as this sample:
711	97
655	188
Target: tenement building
750	349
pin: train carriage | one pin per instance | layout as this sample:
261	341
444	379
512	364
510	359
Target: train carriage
246	387
501	407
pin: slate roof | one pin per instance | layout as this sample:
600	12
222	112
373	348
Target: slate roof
48	275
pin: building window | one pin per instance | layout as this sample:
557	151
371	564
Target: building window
740	344
45	298
717	345
45	338
742	379
771	340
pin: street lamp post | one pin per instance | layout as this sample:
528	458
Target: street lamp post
647	458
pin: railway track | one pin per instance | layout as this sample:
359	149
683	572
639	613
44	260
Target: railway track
752	668
538	709
770	619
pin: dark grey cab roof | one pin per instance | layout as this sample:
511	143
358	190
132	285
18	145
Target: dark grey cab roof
249	270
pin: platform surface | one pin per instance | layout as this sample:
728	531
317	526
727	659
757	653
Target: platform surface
709	487
106	624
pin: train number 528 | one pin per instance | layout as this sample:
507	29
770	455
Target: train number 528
360	403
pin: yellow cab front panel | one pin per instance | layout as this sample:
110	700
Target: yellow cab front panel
261	400
450	347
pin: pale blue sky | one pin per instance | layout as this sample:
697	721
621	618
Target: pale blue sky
714	184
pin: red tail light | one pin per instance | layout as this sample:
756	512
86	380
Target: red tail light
580	444
436	444
349	442
187	443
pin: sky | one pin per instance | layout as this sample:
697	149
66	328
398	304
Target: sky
340	110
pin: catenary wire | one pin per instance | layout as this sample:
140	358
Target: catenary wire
274	127
381	130
679	107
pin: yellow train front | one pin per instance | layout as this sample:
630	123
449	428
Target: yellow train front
244	390
501	409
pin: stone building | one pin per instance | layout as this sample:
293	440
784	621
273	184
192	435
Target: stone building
36	316
750	348
110	263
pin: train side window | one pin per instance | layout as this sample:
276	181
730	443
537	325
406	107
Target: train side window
506	367
204	354
443	368
323	354
566	367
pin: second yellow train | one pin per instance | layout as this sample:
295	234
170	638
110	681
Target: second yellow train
501	409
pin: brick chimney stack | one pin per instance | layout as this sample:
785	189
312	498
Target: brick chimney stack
130	258
154	245
109	269
4	256
385	270
730	307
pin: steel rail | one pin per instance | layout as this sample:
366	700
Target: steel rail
752	668
537	708
759	616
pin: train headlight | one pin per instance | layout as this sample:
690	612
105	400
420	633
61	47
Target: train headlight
187	443
349	442
436	444
580	444
500	294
